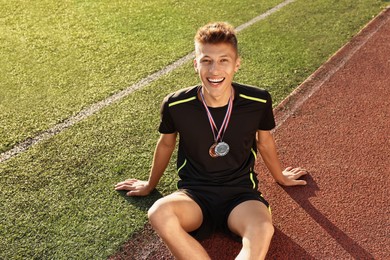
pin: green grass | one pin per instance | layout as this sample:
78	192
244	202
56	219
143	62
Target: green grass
58	200
59	56
279	54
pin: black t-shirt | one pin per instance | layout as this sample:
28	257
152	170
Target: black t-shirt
183	112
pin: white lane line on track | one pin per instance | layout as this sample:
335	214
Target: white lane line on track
96	107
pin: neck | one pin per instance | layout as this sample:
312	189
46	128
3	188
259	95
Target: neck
217	101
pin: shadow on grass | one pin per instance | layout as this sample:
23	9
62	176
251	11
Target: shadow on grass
143	203
302	198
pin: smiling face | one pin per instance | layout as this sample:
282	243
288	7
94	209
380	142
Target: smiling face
216	64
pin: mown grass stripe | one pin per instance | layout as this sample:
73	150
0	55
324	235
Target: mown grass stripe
94	108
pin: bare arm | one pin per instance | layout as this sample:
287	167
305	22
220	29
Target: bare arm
267	148
162	154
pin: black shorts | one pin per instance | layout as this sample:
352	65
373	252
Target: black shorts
216	204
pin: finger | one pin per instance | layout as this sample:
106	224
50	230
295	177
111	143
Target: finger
131	193
288	168
126	182
300	171
135	193
300	182
126	186
303	172
296	170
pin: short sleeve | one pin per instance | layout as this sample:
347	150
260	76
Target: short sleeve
268	120
167	125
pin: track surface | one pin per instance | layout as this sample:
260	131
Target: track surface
337	125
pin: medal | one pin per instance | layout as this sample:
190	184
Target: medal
212	151
218	148
222	149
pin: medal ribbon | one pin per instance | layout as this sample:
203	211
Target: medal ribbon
225	122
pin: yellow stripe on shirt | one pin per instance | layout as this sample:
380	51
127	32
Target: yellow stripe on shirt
181	101
253	98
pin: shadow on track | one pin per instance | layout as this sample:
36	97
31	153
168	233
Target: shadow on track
302	198
221	247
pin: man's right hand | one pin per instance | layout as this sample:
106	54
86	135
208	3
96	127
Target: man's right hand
134	187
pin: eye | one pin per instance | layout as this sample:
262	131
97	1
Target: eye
205	61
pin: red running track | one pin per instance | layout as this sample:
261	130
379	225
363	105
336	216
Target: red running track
337	125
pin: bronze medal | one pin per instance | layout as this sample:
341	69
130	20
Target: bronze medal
212	151
218	148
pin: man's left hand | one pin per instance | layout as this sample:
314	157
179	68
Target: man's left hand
291	176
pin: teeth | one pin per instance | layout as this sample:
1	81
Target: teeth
216	80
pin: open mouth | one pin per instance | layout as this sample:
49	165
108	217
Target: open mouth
215	81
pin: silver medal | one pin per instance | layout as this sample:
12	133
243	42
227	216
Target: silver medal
218	148
222	149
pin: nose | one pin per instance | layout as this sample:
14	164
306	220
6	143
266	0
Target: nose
213	68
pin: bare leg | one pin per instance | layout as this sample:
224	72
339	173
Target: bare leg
252	221
172	217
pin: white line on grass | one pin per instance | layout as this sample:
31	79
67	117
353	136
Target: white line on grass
94	108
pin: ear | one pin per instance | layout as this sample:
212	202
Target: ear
238	64
196	66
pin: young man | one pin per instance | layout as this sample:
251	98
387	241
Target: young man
221	126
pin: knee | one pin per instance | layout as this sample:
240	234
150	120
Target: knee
269	229
256	241
263	231
159	214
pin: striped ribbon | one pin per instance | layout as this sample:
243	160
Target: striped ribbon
225	122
